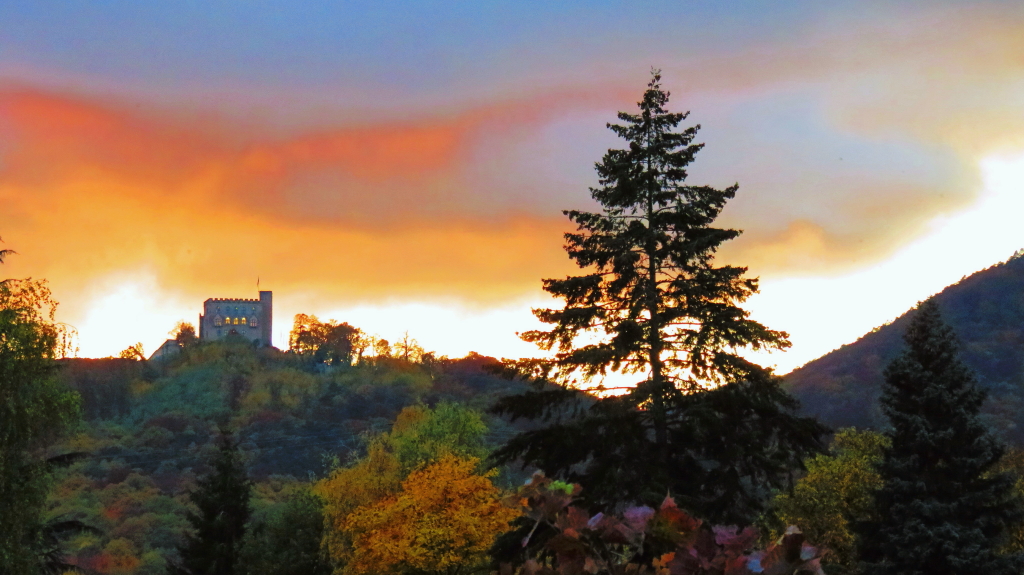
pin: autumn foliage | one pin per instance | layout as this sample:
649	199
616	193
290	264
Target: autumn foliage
645	541
836	493
416	502
444	520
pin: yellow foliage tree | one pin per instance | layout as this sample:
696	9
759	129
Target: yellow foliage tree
419	436
133	352
837	490
375	477
444	520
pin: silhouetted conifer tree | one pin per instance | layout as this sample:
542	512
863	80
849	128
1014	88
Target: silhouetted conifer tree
703	423
940	511
221	499
288	540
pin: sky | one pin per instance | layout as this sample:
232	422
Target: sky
403	166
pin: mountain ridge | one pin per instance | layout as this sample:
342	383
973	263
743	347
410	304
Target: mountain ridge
985	309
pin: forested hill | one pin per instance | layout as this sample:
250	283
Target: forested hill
149	429
986	310
288	411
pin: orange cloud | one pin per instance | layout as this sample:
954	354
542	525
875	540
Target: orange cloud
341	215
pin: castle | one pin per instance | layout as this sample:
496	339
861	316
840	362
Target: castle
252	319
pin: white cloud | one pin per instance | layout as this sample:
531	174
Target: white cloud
823	313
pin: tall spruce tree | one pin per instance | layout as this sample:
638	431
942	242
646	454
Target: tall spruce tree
218	525
702	422
941	510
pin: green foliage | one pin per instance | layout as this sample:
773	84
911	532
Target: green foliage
563	539
651	302
423	435
126	507
836	493
218	525
285	538
652	288
104	385
940	510
35	411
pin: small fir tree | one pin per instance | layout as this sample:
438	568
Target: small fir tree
218	525
702	422
941	510
287	539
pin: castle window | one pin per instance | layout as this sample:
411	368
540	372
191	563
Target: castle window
217	321
244	321
236	321
253	322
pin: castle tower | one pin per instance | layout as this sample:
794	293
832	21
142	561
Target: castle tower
267	303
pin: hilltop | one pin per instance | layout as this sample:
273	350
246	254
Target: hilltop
985	309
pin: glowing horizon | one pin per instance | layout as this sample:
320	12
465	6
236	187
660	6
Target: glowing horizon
454	329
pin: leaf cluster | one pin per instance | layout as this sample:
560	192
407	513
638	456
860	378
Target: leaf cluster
643	541
835	494
443	520
419	438
328	342
35	412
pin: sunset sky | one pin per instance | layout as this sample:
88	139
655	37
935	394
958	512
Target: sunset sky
403	166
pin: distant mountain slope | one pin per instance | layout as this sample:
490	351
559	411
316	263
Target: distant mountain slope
985	309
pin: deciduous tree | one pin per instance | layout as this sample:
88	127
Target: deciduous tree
185	334
835	494
135	352
327	342
420	436
564	539
701	421
443	520
35	411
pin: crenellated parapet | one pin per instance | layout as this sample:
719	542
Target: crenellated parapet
228	299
